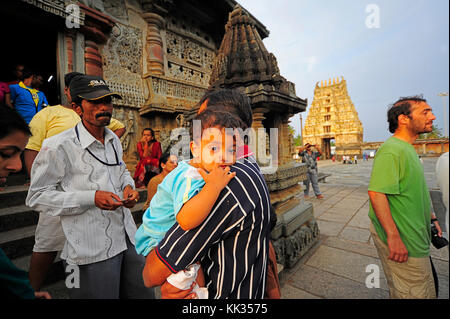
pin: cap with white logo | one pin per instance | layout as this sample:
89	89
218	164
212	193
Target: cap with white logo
90	88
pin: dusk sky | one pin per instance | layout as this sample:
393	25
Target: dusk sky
407	53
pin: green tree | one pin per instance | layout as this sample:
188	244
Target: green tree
297	138
435	133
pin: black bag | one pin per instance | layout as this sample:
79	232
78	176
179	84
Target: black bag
437	241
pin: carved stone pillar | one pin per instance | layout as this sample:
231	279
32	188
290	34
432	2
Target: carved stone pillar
258	117
93	59
96	29
155	54
69	44
285	141
259	144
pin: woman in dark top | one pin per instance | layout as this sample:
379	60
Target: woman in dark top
14	134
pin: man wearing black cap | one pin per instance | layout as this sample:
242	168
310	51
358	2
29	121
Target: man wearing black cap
79	175
49	235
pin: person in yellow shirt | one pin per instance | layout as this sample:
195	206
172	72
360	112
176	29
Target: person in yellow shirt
49	236
54	120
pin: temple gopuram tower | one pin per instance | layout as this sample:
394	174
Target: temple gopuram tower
333	116
243	63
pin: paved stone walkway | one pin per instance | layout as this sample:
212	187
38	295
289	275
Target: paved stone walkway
335	267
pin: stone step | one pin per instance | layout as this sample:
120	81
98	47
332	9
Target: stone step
19	241
15	179
13	196
16	217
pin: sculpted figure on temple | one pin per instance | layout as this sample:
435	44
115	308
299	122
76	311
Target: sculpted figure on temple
95	4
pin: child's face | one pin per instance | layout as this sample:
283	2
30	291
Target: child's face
218	148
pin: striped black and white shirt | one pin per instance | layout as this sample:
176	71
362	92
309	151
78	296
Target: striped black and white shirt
233	241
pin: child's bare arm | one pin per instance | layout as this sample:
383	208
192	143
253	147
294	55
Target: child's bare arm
195	210
200	277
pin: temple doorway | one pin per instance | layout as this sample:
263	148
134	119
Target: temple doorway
30	40
327	145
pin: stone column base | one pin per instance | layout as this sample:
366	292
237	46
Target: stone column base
294	234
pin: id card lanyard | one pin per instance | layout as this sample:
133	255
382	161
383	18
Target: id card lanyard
104	163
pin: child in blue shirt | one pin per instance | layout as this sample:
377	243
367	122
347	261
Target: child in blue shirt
189	192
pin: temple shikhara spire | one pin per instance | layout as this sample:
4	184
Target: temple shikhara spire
242	58
243	63
333	116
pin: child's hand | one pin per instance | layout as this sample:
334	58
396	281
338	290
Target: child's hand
219	177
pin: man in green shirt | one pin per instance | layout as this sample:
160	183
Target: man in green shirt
400	207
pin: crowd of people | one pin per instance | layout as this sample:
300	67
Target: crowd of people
347	159
205	231
84	194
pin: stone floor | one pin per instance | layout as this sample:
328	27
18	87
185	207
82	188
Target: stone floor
336	267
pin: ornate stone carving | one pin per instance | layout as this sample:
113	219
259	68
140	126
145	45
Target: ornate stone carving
116	8
187	74
57	7
181	26
187	60
297	244
286	176
180	120
128	119
174	95
95	4
280	250
164	139
122	65
219	66
178	77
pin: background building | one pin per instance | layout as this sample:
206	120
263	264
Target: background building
333	116
158	54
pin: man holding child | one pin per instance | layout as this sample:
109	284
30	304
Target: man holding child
232	242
